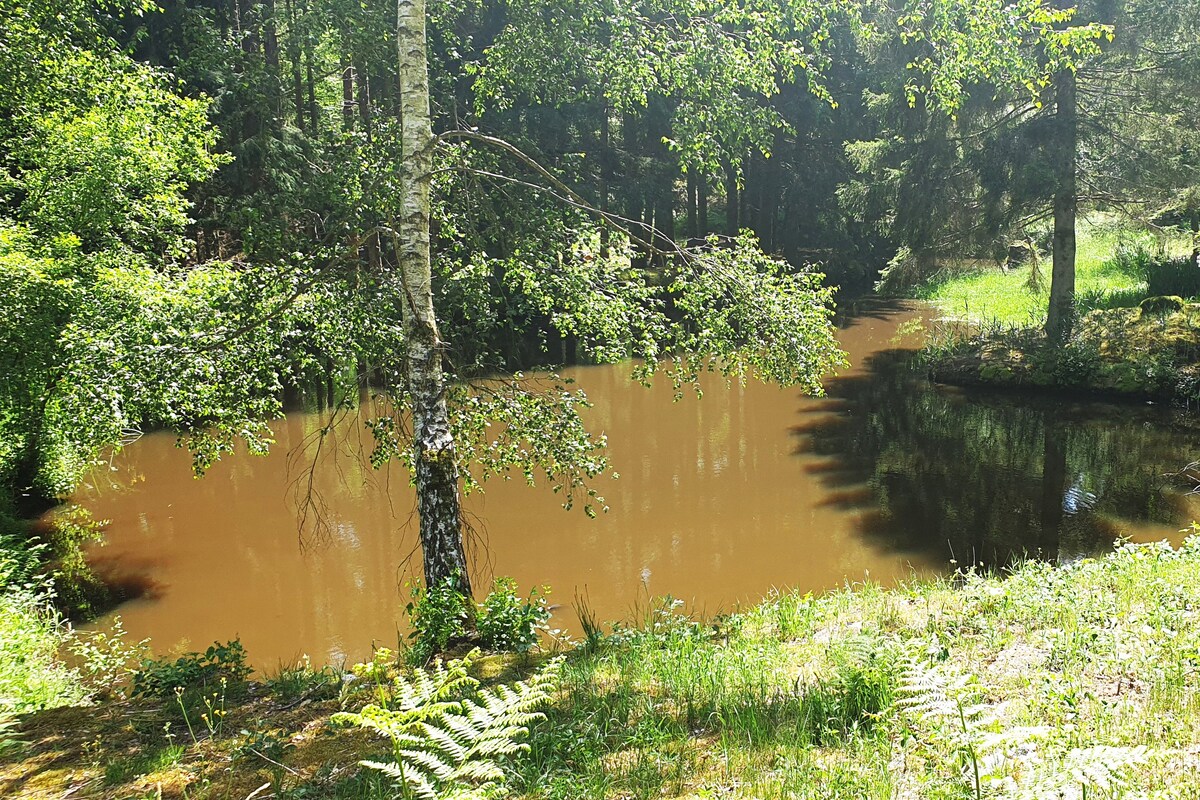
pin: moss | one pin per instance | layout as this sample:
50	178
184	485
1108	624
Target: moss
1121	377
1000	373
1160	305
1152	351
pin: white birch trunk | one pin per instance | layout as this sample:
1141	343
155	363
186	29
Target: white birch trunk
434	457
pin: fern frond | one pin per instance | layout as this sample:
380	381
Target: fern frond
454	743
418	785
480	772
1104	767
1082	771
427	762
462	728
447	733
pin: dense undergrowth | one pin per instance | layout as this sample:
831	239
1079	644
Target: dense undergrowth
1054	681
32	676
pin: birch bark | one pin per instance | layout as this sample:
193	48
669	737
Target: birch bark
436	467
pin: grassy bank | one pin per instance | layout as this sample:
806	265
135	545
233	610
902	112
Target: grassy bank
1135	334
1152	351
1053	682
1114	268
32	632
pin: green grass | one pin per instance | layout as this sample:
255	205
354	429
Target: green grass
32	676
1051	681
992	295
122	770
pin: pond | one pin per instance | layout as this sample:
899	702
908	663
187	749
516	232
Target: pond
720	501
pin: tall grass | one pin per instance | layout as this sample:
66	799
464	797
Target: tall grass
1052	682
658	709
32	676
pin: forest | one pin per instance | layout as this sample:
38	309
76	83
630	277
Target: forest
428	218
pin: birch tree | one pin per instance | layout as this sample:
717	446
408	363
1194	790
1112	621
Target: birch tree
731	309
435	464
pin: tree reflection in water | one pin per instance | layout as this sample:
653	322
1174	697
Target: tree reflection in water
989	478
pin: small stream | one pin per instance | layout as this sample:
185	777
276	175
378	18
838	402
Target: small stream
720	500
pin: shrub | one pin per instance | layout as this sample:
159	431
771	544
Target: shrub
160	678
1173	276
439	615
508	623
108	659
504	622
852	698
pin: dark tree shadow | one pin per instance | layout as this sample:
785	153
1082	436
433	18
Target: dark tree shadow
988	479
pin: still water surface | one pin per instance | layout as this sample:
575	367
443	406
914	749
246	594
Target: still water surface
719	501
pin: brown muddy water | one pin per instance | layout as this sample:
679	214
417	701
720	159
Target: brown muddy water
720	500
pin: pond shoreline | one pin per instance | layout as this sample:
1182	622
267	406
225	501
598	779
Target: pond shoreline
1084	663
1150	353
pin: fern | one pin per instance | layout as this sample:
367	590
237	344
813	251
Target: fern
948	708
1102	768
448	733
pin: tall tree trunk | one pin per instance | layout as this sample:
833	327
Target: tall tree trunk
347	65
1062	275
605	170
691	203
732	206
271	41
363	85
433	444
1195	241
314	113
293	54
702	204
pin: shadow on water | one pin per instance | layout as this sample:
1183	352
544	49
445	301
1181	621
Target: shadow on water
987	479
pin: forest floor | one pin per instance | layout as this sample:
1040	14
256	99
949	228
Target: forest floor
1068	681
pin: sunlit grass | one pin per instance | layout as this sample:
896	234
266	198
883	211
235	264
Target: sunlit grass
804	697
1049	681
31	633
1007	298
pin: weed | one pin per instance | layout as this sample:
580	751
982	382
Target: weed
108	659
509	624
264	749
851	700
503	622
219	664
439	615
302	680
